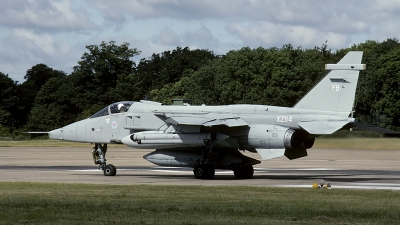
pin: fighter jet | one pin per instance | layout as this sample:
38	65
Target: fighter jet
206	138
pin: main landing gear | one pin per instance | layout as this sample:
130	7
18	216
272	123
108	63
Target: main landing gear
244	172
207	171
99	157
204	169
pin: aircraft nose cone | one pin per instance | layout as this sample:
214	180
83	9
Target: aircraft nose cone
56	134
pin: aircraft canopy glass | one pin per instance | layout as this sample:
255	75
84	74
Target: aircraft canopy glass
103	112
118	107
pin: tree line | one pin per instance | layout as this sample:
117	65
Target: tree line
106	73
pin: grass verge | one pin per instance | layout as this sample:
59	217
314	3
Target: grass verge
359	143
43	203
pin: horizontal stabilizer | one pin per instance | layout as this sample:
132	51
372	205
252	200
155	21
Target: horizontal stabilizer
321	128
367	127
270	153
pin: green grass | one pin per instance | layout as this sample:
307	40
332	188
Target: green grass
39	203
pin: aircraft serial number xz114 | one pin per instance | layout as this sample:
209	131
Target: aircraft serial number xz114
284	119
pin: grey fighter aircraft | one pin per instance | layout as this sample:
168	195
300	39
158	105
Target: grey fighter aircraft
206	138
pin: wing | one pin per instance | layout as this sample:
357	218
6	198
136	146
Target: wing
207	120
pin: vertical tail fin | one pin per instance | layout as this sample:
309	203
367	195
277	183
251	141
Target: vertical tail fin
336	91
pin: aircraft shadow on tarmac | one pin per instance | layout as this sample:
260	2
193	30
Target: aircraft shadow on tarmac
328	175
275	174
336	178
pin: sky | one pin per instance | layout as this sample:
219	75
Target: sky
56	32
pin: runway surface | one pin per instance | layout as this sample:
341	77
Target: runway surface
360	169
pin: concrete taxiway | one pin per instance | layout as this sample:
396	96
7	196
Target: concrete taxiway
362	169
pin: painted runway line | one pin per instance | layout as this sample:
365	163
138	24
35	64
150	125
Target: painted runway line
355	185
374	186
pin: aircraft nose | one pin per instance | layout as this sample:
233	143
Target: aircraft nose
56	134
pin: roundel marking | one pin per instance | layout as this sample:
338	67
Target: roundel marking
114	124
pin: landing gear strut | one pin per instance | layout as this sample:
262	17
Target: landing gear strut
203	170
99	157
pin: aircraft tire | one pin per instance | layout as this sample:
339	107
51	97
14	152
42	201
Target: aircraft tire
114	169
206	171
110	170
245	172
210	171
199	172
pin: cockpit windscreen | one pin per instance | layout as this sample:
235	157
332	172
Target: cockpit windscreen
103	112
118	107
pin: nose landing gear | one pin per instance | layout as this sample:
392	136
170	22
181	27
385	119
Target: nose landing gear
99	157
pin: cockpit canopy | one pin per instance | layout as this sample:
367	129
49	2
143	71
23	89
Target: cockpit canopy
118	107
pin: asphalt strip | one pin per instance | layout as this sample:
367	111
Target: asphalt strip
188	170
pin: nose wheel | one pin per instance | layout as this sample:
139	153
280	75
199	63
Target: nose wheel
110	170
99	157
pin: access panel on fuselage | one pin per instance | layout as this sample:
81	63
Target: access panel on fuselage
98	129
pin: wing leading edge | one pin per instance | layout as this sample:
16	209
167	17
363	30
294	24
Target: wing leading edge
203	120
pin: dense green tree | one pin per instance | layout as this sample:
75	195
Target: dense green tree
8	101
258	76
52	107
168	67
39	74
103	63
35	77
368	87
87	89
378	93
99	70
388	106
170	91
